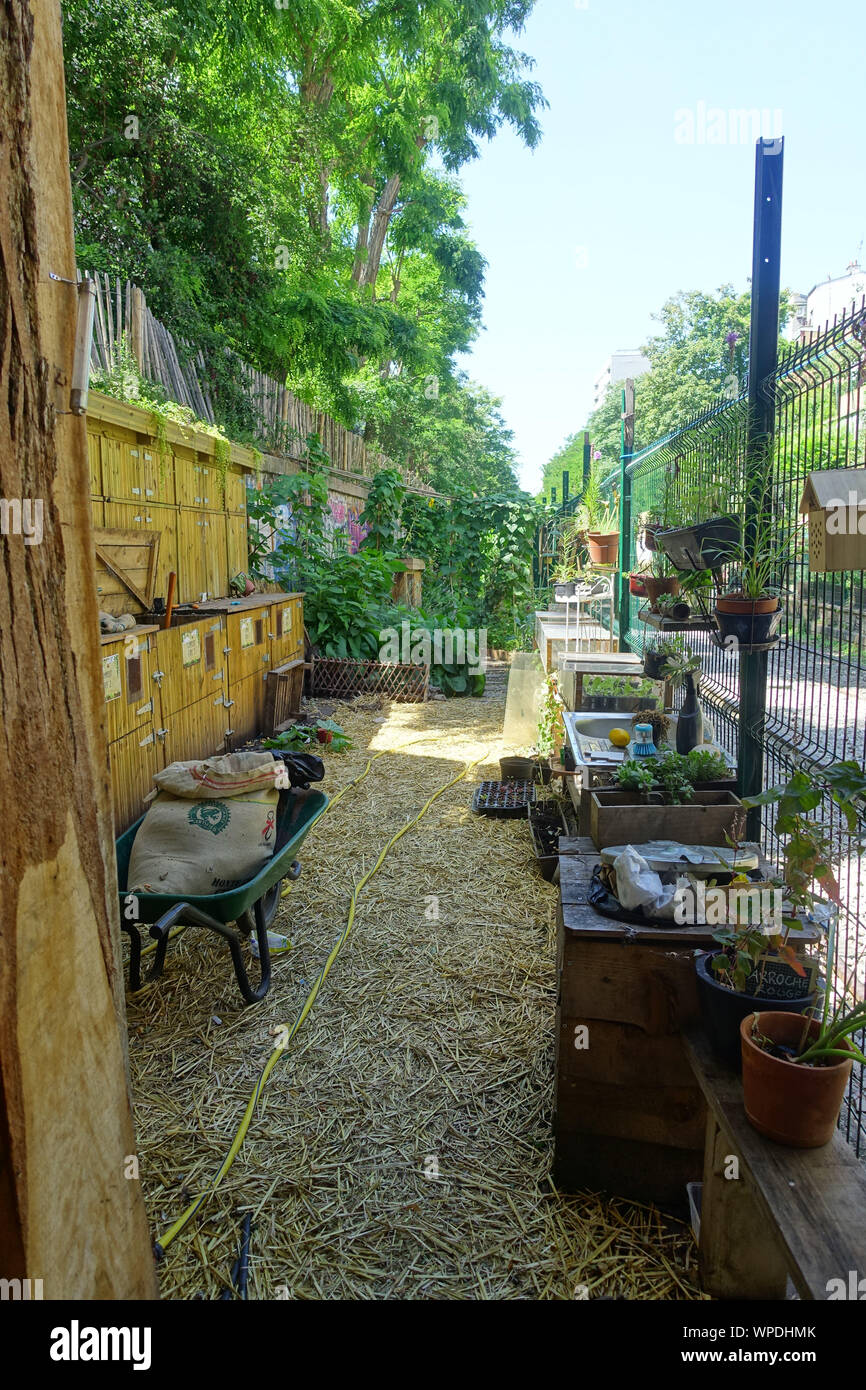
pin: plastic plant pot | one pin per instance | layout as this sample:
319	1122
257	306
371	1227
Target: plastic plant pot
656	587
750	621
705	546
636	585
723	1010
603	547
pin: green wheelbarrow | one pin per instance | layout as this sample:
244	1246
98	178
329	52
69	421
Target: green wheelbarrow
251	907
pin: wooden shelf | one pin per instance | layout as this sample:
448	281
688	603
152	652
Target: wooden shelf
663	624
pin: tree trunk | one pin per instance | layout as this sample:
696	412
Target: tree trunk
381	218
71	1214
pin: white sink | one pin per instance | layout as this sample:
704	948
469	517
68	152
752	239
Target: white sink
585	726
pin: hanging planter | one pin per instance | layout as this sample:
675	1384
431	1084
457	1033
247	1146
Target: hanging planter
649	537
603	547
706	546
750	621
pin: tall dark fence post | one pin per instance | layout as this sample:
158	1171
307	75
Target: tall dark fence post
564	486
587	457
626	451
763	355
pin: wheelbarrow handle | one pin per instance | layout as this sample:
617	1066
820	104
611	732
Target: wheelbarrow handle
193	916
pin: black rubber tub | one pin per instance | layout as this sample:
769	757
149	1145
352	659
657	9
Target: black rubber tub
723	1010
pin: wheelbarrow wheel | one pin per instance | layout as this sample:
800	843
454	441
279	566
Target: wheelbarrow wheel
270	901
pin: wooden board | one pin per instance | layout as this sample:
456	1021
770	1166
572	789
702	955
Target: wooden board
812	1201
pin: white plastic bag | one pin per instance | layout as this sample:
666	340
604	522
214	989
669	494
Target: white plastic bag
639	886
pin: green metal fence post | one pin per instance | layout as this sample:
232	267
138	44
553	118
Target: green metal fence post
763	356
626	451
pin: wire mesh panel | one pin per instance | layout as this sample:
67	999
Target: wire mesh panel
816	675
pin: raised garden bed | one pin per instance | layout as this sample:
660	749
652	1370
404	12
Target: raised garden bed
618	818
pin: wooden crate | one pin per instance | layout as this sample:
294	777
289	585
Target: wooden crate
127	665
198	731
283	690
615	818
132	761
189	664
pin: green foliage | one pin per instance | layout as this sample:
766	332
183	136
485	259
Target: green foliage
673	776
703	765
382	510
282	183
301	737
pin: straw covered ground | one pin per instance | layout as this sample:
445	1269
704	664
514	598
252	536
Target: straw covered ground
402	1145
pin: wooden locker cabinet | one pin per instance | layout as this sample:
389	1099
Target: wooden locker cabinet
198	731
126	681
132	762
130	516
235	492
246	708
286	629
247	644
215	557
115	464
189	665
94	458
97	511
236	544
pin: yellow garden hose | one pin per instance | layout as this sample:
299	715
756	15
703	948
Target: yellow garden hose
288	1033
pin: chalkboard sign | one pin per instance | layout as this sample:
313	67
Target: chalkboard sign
773	978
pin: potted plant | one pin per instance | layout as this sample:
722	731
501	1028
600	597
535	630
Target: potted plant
744	972
563	581
795	1071
656	799
598	519
637	584
660	582
705	545
684	668
656	653
749	611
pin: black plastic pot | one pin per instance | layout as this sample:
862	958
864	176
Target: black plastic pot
516	769
652	665
563	589
723	1010
706	546
749	628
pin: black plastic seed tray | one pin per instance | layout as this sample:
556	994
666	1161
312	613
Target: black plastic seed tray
503	798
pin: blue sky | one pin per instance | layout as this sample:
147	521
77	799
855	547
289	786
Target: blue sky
590	233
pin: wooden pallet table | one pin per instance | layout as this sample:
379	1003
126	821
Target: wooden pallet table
630	1116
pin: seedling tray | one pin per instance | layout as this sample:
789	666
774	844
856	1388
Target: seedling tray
503	799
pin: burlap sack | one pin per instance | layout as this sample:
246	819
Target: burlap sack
191	845
231	774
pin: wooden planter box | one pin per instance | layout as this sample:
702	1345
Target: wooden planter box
615	818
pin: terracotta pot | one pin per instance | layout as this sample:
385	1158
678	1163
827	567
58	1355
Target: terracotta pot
751	621
744	607
793	1105
603	547
655	587
637	585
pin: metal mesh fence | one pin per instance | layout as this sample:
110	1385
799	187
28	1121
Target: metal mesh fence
816	681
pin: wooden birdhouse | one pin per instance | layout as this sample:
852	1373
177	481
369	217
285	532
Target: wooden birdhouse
834	499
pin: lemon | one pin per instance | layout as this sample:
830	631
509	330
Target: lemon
619	738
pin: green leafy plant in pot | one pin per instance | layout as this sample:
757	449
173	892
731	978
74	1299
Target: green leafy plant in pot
795	1070
749	612
597	518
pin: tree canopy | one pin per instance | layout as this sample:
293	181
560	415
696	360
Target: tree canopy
281	180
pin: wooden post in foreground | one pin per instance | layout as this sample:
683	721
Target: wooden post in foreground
70	1213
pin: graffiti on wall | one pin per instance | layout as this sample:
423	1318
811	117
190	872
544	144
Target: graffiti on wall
346	518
